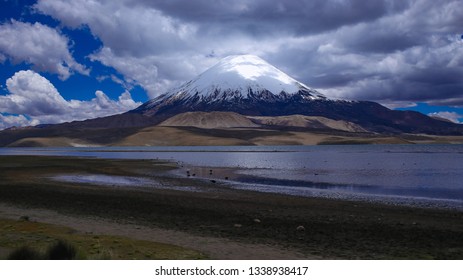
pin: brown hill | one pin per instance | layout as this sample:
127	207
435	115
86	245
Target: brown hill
50	142
314	122
209	120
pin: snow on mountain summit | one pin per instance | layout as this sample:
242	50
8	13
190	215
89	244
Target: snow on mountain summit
238	76
242	72
240	83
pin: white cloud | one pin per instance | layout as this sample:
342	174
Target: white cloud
100	106
35	100
391	104
7	121
32	94
127	28
452	116
135	37
148	47
39	45
142	71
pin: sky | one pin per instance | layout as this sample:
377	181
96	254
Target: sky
66	60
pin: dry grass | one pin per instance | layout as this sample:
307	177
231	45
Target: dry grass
40	236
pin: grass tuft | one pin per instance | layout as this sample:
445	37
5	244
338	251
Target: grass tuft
24	253
61	250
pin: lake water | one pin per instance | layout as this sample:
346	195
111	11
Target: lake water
410	174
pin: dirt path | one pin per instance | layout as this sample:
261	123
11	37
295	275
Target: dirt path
216	248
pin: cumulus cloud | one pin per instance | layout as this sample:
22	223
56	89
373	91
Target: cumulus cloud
135	37
40	46
451	116
142	71
8	121
32	94
32	99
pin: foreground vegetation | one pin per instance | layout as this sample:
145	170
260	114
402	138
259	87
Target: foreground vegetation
25	239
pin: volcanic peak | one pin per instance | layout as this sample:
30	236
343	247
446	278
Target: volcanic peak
240	75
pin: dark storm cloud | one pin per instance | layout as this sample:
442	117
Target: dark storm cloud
332	80
436	76
379	41
263	17
413	55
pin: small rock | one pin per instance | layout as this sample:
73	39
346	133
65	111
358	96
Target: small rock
226	178
237	225
213	181
300	228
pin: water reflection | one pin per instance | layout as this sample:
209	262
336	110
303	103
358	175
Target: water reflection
430	171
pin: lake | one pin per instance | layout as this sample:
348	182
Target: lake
404	174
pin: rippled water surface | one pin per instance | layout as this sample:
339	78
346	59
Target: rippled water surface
416	171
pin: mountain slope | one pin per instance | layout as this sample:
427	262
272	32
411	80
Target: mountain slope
250	86
308	122
209	120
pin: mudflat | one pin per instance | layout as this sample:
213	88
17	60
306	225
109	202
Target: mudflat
217	221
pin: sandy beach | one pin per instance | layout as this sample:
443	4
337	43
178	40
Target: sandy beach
215	220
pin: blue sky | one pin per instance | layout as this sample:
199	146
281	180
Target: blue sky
72	60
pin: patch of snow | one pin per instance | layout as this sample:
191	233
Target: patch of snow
242	74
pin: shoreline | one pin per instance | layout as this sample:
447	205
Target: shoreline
236	180
309	227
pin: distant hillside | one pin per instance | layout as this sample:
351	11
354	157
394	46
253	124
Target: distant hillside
209	120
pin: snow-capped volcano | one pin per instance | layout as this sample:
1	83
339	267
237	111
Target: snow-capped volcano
239	75
235	81
248	85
